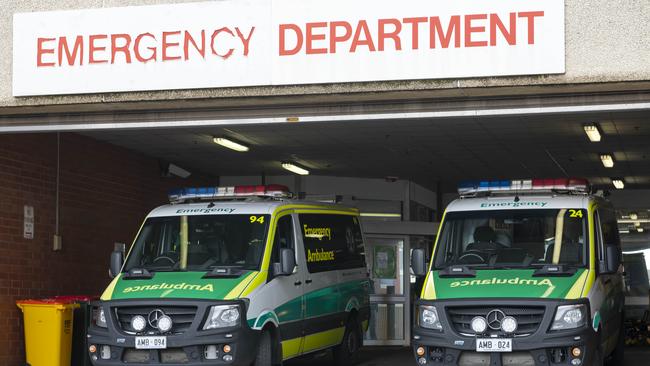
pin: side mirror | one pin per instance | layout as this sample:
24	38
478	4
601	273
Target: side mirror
613	259
287	263
117	260
419	262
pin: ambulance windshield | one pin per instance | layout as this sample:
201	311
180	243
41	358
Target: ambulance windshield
513	239
200	243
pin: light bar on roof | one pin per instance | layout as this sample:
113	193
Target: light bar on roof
213	193
560	184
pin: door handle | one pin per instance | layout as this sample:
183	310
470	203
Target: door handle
297	283
308	282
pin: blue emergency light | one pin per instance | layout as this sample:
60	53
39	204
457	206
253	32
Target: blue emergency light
214	193
559	184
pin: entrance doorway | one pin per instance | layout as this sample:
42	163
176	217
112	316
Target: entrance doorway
390	291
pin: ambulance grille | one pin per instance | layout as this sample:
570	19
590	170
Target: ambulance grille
528	318
182	317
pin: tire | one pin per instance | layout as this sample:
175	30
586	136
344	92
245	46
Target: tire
618	355
347	353
598	360
264	351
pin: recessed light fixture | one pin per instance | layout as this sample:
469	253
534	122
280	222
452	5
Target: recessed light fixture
233	145
608	160
295	168
618	183
593	132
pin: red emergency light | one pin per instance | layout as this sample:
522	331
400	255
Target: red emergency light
214	193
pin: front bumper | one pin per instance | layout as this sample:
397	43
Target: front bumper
186	349
542	348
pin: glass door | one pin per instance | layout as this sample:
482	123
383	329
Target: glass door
389	305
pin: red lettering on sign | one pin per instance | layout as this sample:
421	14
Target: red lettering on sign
138	54
510	34
115	48
470	30
187	40
299	39
77	50
167	44
310	37
415	30
245	40
365	41
337	38
94	48
40	51
212	43
394	34
435	29
530	16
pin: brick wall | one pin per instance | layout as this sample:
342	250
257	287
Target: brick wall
105	193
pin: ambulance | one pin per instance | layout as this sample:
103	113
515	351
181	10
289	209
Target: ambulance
523	272
239	275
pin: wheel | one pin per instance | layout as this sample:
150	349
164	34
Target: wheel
264	351
347	353
618	355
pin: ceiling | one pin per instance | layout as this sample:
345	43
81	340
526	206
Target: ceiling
424	151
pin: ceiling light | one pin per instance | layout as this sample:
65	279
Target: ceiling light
608	160
634	216
230	144
295	168
174	169
593	132
618	183
640	229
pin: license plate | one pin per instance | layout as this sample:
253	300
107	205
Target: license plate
150	342
493	345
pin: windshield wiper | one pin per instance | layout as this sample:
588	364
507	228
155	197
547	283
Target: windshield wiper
456	271
225	272
559	270
138	274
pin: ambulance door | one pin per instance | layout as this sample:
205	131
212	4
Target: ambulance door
324	322
288	290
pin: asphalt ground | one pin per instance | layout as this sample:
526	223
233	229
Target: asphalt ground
393	356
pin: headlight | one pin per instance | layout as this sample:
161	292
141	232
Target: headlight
100	317
222	316
428	318
569	317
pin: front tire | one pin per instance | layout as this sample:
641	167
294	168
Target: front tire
618	355
347	353
264	351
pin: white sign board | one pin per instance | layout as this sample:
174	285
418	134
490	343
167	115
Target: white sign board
28	222
233	43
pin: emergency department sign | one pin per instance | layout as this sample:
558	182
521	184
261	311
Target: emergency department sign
232	43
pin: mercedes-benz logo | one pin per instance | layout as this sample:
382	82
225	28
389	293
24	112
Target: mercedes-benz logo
494	319
154	316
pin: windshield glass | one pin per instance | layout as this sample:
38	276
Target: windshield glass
513	238
200	243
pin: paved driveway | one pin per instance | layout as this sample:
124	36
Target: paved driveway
390	356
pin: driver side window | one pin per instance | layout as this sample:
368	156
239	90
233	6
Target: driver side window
284	238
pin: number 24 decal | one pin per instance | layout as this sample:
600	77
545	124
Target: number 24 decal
256	219
575	213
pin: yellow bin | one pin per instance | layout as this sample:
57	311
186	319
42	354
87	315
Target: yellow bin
48	331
